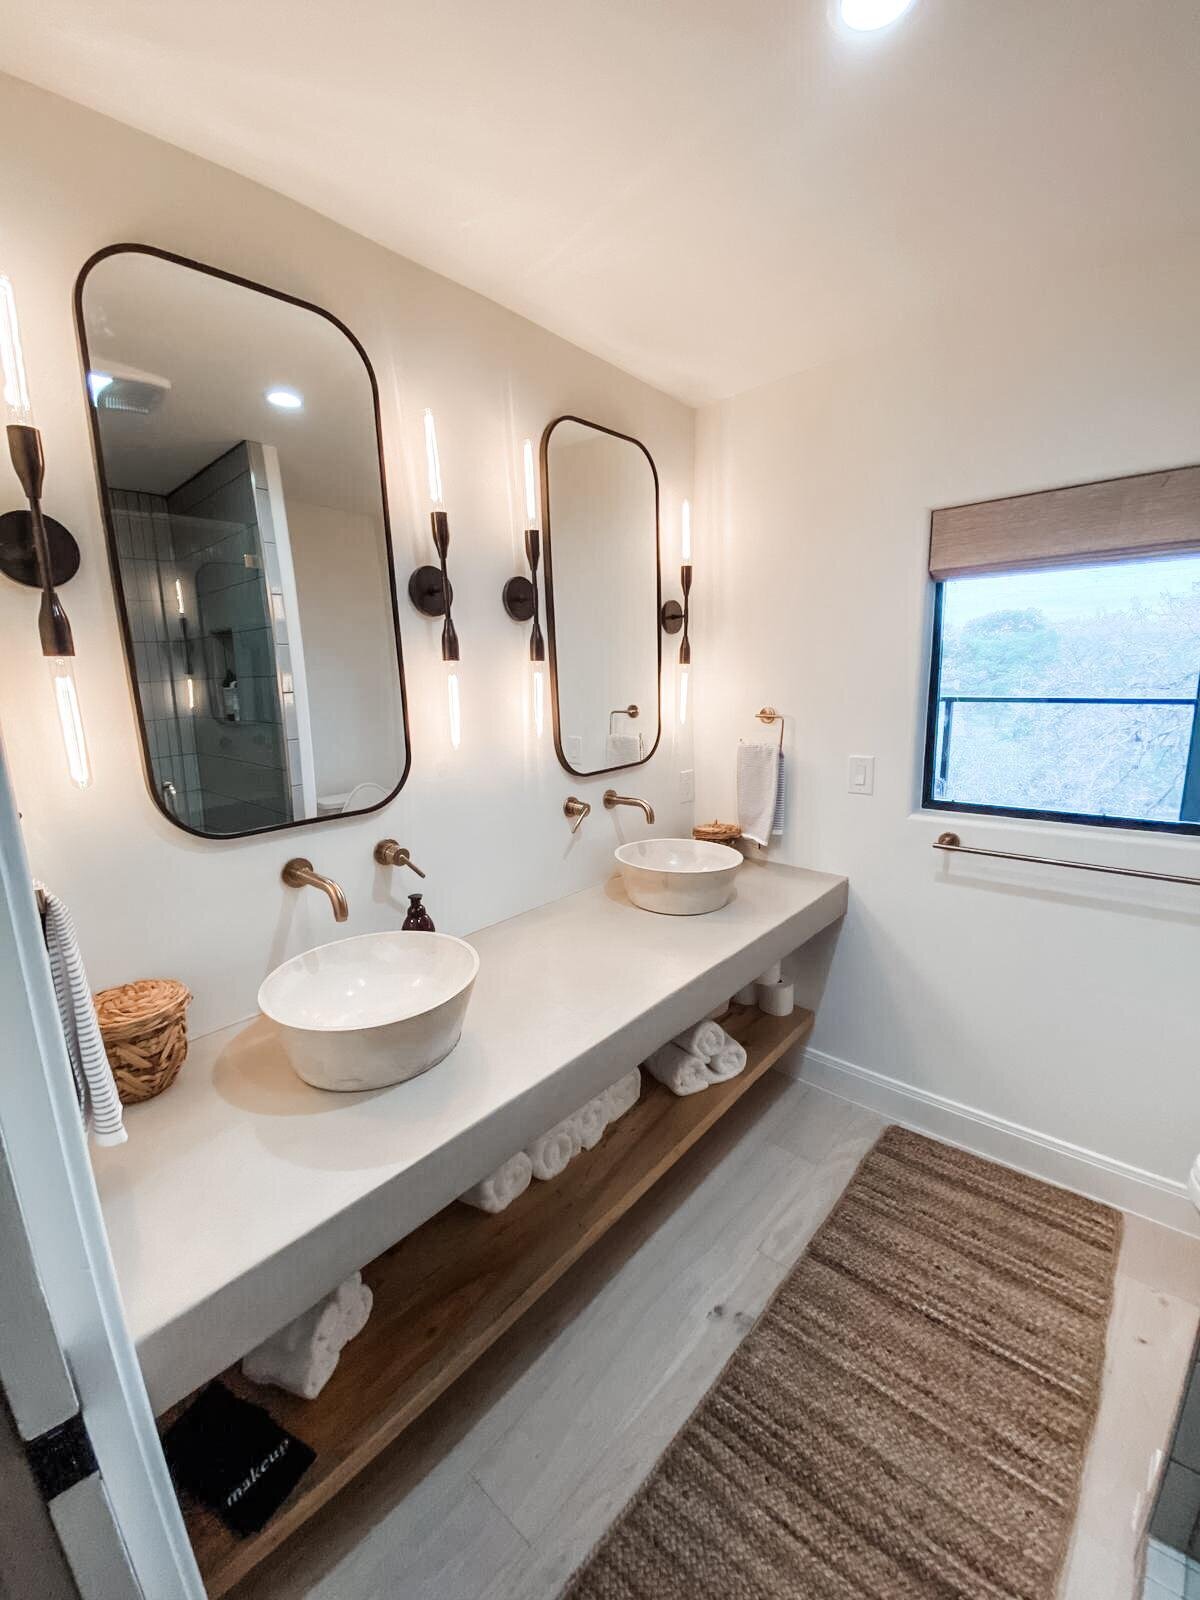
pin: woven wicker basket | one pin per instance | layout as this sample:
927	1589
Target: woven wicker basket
144	1027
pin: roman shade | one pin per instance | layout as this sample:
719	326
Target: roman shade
1150	514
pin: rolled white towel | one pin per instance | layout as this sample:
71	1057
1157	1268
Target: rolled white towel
623	1095
590	1122
356	1301
678	1070
728	1061
704	1039
552	1150
500	1188
303	1373
302	1356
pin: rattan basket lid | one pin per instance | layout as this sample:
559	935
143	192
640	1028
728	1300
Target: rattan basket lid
717	832
130	1008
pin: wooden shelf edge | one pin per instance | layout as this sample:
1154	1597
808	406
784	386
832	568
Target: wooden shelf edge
448	1291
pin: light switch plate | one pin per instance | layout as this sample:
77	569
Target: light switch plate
687	784
574	749
860	778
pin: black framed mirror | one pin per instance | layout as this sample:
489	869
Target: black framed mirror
238	448
603	595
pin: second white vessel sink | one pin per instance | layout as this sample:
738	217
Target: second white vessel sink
678	877
374	1010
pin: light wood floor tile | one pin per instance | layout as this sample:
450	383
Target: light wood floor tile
1150	1338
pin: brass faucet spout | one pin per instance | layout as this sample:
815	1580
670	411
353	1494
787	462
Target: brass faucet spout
298	874
612	798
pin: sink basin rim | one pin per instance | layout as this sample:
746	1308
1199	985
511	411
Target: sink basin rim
710	857
276	1014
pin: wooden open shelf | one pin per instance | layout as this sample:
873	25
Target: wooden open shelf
448	1291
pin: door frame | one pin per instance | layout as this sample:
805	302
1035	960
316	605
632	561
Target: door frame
60	1208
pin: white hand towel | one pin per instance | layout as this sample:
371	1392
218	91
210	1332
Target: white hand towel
551	1152
94	1082
590	1122
502	1187
757	789
623	1095
678	1071
728	1061
303	1356
624	748
704	1039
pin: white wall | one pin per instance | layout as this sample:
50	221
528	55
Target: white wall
485	821
1062	1001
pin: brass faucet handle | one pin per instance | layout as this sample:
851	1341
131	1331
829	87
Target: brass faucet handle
389	853
578	809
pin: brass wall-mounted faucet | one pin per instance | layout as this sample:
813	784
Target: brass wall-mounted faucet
612	798
298	874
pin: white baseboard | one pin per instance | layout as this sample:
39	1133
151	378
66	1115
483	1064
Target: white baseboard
1117	1183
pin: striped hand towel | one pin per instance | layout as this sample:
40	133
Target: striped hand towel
94	1080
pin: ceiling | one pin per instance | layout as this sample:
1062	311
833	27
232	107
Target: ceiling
711	195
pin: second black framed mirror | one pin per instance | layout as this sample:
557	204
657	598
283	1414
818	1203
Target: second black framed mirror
603	595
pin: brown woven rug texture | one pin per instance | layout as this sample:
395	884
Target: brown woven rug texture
909	1416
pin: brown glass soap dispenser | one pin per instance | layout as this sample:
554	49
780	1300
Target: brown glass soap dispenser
418	919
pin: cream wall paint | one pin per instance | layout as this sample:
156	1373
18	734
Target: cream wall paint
485	822
1060	1001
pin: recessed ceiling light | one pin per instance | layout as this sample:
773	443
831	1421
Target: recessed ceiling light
285	399
866	15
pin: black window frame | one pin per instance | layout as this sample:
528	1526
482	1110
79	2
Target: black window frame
1081	819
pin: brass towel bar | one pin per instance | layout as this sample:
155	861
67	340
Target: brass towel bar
951	842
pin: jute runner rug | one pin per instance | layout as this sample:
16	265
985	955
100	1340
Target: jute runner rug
910	1415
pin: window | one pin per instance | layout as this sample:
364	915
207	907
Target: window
1069	693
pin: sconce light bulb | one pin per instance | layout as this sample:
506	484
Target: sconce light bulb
685	533
433	463
454	706
70	719
17	409
179	595
531	505
539	699
190	687
684	673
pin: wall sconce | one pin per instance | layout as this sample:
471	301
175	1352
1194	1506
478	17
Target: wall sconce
675	616
429	588
34	549
521	598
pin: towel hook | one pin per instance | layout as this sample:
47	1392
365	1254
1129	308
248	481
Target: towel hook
769	714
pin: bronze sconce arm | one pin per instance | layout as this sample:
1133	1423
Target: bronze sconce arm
430	589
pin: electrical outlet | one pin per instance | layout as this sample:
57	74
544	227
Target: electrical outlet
860	778
687	784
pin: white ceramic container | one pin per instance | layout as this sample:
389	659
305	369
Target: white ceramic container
678	877
366	1012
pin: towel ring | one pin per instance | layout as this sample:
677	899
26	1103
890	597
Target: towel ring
769	714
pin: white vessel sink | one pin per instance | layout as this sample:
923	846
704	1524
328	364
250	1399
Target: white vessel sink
365	1012
678	877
